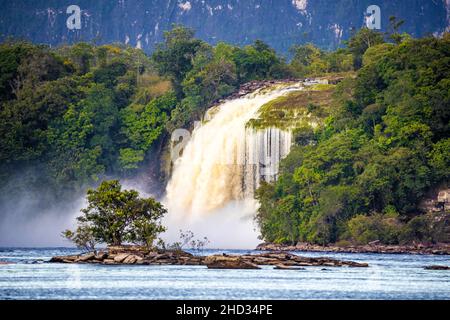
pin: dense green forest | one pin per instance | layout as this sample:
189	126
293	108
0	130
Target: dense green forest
72	115
361	176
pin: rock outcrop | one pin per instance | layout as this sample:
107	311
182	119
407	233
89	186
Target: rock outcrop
132	255
375	247
292	260
141	23
228	262
129	255
437	268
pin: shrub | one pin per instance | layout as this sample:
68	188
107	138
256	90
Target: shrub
364	229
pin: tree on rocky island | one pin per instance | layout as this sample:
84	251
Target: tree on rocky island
115	216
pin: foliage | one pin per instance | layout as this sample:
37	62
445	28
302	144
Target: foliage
187	238
83	237
363	229
308	61
361	175
361	41
114	216
78	112
380	142
174	57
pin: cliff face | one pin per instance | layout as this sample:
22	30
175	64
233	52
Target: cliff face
280	23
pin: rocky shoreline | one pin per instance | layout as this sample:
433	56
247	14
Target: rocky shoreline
434	249
133	255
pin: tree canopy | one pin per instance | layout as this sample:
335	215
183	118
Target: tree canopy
383	149
115	216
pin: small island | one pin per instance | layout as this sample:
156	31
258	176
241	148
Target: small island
136	255
114	216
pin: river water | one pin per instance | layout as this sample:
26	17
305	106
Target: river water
388	277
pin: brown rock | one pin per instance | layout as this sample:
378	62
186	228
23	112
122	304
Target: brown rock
109	261
63	259
373	247
355	264
228	262
437	268
67	261
285	267
121	257
131	259
86	257
137	250
101	256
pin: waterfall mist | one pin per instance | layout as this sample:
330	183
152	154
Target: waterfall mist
33	214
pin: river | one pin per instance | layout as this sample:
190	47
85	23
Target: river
388	277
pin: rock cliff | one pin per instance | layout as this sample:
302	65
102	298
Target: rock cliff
281	23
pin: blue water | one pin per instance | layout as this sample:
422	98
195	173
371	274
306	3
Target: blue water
388	277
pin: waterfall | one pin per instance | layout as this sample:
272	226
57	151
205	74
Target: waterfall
263	151
224	162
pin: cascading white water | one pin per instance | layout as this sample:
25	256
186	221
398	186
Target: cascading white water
263	151
223	163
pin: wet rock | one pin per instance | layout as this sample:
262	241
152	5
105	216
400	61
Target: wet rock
228	262
437	267
356	264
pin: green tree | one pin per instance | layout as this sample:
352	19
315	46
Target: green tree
361	41
174	57
114	216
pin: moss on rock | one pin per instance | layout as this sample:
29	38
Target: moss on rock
303	108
